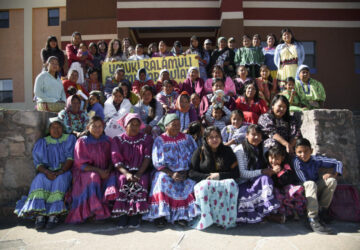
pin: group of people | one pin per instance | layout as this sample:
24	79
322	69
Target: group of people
220	150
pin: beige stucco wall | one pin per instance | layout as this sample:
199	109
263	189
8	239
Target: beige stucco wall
41	31
11	53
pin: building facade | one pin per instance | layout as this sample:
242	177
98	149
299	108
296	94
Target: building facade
329	31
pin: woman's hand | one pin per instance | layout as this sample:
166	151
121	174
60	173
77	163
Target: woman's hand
267	171
50	175
213	176
289	148
178	176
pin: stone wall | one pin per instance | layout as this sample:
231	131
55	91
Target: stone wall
331	132
19	130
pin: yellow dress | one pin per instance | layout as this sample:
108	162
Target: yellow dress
288	64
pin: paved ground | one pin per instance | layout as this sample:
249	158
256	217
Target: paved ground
104	235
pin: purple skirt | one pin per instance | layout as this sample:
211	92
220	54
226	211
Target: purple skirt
256	200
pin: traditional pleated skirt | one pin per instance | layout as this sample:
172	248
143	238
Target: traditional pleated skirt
216	202
172	200
256	200
291	200
46	197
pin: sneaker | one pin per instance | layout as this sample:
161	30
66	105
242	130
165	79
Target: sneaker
39	222
52	222
316	226
123	222
134	221
160	222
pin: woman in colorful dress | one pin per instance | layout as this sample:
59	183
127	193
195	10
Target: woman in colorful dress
185	111
91	170
193	83
279	126
309	89
214	167
288	55
48	90
171	197
164	75
53	157
256	199
201	55
115	108
142	79
73	117
250	103
131	156
269	52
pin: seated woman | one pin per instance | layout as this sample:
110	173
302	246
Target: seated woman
149	110
131	96
218	72
95	106
193	83
170	196
297	103
309	89
214	167
92	167
53	157
217	84
185	111
93	83
142	79
115	107
164	75
266	84
167	97
279	126
71	81
131	156
256	199
250	103
73	117
48	90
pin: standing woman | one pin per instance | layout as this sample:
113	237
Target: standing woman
224	57
103	48
92	167
115	108
256	199
162	50
201	55
214	167
48	89
171	197
52	49
288	55
114	52
152	48
126	43
53	157
131	156
269	52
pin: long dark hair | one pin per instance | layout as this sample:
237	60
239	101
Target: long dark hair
222	70
92	44
206	152
292	35
199	47
251	153
48	62
47	45
152	104
256	96
273	36
110	52
123	83
102	42
282	98
91	121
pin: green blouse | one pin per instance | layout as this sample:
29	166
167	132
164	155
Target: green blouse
249	56
313	92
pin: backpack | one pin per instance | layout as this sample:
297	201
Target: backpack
345	204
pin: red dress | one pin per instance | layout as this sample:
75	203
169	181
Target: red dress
251	110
